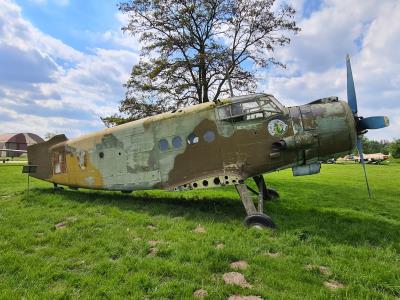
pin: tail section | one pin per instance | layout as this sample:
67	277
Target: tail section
40	155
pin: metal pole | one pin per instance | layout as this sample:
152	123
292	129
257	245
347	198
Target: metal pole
28	184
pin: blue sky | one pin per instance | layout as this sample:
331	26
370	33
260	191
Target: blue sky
63	62
72	21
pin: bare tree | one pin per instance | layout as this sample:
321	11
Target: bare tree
191	47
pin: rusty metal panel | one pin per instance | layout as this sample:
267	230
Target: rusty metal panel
307	117
295	115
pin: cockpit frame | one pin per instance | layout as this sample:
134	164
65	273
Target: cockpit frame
258	106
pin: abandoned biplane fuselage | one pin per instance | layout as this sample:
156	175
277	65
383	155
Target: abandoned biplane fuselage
206	145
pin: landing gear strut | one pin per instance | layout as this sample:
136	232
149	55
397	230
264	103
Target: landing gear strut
268	193
256	218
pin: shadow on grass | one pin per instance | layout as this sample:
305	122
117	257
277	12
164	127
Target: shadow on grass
335	226
196	207
338	227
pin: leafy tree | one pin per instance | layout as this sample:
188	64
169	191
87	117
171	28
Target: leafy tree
190	48
385	147
395	148
372	146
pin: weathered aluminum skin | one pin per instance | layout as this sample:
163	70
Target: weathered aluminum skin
128	157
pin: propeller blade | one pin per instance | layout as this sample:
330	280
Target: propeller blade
351	92
360	153
373	123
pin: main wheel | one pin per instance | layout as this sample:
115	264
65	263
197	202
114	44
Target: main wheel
273	195
259	220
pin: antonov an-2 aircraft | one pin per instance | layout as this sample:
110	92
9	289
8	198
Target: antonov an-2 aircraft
208	145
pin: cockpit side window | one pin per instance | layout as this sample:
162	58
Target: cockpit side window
224	112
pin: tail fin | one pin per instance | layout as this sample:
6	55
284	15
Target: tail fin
39	155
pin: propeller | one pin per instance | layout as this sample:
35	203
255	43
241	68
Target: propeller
362	124
360	152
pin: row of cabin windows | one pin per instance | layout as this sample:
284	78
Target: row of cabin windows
177	142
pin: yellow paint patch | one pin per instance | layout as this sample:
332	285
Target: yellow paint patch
90	177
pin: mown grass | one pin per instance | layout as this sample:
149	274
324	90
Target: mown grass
103	250
19	158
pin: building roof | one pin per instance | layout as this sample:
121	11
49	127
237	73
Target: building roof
20	138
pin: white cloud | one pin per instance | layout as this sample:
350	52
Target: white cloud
18	32
316	59
39	94
96	81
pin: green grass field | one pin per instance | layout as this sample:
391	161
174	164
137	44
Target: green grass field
106	245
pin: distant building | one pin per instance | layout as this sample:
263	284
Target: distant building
17	141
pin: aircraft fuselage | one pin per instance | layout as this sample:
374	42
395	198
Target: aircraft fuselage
206	145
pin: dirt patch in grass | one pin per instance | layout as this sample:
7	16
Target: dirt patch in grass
333	284
153	243
272	254
66	222
152	251
60	225
200	293
220	246
199	229
237	297
323	270
239	265
236	278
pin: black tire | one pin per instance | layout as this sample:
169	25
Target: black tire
273	195
259	220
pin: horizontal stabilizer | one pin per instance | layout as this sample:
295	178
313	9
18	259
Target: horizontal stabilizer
13	150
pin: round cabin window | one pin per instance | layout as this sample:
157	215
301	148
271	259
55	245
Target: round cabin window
163	145
177	142
192	139
209	136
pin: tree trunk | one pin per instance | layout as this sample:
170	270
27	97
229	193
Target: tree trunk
203	74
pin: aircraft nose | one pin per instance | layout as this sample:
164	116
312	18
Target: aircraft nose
321	129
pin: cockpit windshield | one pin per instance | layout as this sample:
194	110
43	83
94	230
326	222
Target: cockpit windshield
250	108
